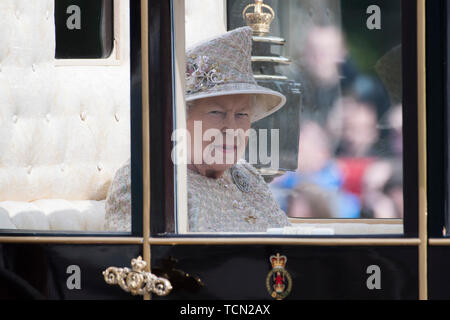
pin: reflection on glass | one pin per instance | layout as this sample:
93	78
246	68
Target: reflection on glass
350	146
334	150
65	124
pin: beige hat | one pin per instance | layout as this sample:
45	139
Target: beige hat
222	66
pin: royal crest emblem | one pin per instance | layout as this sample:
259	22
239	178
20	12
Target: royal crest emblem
279	281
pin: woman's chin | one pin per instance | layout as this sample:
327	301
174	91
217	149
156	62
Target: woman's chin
219	167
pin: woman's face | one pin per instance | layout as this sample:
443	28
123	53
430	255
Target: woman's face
218	128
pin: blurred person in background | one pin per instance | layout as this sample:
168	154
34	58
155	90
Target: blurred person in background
354	121
354	125
395	119
359	129
317	168
321	65
349	128
309	201
382	196
394	190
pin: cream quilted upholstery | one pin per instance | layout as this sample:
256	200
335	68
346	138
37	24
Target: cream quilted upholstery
195	13
64	131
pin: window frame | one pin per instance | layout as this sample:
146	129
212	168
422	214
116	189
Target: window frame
438	117
138	137
411	85
118	52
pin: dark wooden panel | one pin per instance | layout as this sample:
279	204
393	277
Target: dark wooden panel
239	272
40	271
161	118
437	144
439	273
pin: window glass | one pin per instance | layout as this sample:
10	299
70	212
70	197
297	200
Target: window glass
292	113
65	130
84	29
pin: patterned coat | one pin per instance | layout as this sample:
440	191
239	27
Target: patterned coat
239	201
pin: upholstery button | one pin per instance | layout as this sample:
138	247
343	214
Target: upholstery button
117	117
83	116
15	118
99	167
47	117
47	15
63	168
29	169
33	66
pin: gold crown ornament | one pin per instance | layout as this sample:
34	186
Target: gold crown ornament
278	261
278	280
259	20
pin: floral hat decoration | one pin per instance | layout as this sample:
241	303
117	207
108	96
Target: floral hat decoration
222	66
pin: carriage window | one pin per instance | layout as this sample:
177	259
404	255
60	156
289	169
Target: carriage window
289	117
65	146
84	29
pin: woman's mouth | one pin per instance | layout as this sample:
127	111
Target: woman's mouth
227	148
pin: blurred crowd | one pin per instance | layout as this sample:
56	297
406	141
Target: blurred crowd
350	146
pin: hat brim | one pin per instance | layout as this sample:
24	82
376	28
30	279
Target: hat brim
267	101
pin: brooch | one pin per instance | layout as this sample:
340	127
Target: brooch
202	74
241	179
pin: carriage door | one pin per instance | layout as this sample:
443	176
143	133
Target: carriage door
74	143
350	176
437	140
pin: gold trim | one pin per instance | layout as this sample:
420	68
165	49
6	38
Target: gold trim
145	138
71	240
422	192
336	242
137	281
439	242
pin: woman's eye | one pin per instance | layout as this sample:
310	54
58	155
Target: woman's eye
216	112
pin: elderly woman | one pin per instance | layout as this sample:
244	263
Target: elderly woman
225	193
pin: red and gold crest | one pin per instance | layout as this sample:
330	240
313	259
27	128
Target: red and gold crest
278	281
